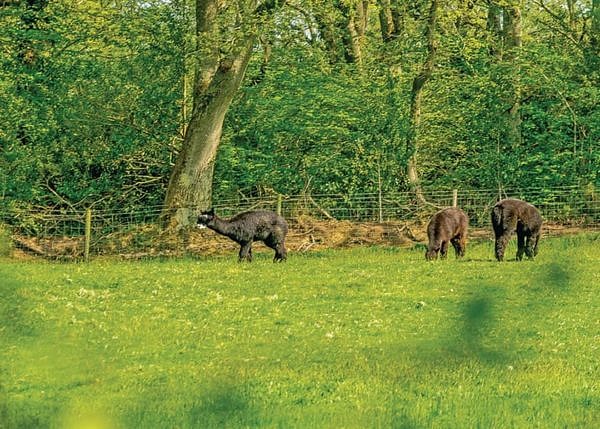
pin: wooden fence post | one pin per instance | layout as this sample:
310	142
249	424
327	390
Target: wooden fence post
455	198
379	191
279	204
88	234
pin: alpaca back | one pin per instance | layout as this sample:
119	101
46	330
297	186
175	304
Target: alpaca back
511	211
447	224
257	225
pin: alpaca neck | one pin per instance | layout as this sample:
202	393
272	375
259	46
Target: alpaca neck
221	226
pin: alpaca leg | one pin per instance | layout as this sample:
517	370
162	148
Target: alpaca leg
459	249
245	252
280	252
506	229
462	242
455	244
431	254
501	242
535	243
444	250
520	243
531	246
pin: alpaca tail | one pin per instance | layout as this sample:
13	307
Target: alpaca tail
497	219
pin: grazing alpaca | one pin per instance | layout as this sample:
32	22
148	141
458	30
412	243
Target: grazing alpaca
447	225
247	227
510	215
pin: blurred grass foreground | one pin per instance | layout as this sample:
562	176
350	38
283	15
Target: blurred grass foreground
363	337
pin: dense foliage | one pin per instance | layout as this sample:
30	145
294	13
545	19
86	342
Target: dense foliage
94	97
90	102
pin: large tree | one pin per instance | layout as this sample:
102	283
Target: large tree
226	34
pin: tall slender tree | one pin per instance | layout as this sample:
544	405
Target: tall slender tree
513	42
342	27
595	27
505	31
391	18
356	18
416	96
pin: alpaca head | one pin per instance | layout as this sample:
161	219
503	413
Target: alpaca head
205	218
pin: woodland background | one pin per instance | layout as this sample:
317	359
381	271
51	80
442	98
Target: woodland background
339	97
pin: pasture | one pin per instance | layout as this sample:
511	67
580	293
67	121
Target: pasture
353	338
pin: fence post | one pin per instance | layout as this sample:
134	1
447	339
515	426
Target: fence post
379	190
454	197
279	204
88	234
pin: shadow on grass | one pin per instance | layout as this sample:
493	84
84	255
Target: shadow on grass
469	337
223	403
26	413
557	276
15	309
478	318
218	403
482	331
467	259
402	421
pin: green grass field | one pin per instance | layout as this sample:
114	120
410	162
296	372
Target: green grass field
365	337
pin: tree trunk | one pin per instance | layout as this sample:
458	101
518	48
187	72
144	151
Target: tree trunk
386	20
190	185
327	29
595	29
223	52
353	35
494	27
415	103
571	10
398	12
344	35
217	80
391	19
504	25
512	31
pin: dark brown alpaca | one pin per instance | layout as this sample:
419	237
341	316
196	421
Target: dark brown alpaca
447	225
512	215
247	227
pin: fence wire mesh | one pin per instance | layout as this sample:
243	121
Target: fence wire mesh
63	233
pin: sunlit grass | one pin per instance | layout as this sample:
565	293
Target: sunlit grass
367	337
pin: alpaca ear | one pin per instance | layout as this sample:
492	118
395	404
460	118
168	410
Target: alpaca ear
211	211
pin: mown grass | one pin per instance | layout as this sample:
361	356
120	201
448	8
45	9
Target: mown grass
365	337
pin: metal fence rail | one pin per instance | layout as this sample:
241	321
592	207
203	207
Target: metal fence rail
70	233
569	205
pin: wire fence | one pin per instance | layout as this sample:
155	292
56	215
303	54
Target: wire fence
74	234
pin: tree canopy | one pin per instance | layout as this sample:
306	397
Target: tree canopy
97	97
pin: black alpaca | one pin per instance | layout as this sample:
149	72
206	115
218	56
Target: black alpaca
510	215
447	226
245	228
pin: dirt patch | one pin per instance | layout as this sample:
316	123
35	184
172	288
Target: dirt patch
307	234
54	247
